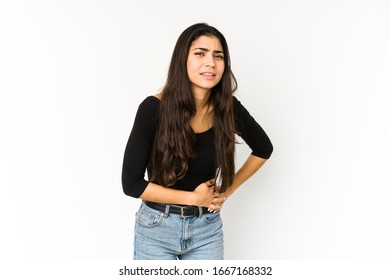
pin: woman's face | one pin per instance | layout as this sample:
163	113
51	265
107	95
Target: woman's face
205	63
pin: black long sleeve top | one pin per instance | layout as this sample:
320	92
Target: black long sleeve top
201	168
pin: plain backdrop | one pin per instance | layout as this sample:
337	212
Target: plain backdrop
314	74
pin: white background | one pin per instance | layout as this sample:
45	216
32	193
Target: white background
315	75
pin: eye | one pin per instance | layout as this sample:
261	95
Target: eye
219	56
199	53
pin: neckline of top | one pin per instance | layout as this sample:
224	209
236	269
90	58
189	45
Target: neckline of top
197	133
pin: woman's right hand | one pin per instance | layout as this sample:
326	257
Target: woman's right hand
205	193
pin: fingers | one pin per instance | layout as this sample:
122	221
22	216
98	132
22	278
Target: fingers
218	199
216	204
214	208
210	183
207	195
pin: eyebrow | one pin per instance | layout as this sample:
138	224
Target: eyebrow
207	50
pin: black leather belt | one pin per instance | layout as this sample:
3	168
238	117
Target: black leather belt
184	211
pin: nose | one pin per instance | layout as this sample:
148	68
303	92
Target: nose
210	62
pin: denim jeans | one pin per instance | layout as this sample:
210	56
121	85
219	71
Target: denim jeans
164	236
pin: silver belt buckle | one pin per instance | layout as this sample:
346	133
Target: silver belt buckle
182	211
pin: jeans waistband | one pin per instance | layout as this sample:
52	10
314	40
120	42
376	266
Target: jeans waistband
184	211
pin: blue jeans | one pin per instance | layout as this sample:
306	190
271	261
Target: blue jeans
164	236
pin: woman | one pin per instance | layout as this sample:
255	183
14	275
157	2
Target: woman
185	138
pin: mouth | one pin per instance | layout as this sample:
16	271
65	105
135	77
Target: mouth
208	74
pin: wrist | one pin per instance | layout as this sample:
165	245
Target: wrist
191	198
228	192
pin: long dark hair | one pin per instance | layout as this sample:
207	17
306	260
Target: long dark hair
174	140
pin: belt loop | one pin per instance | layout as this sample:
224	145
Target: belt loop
200	211
167	206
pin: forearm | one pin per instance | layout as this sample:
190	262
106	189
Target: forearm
250	166
201	196
160	194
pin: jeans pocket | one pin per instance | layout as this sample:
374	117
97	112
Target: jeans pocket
149	218
209	218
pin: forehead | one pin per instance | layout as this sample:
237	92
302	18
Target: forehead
209	42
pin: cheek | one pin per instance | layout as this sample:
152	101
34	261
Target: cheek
189	65
221	66
191	69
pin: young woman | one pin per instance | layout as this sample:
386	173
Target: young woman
185	138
